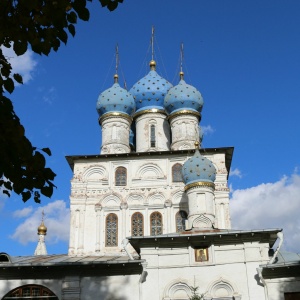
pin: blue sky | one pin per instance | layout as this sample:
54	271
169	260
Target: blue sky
243	56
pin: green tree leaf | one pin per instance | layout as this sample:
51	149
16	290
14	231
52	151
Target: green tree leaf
9	85
26	196
72	17
49	174
71	28
6	192
20	47
18	78
47	150
62	35
47	191
83	14
37	197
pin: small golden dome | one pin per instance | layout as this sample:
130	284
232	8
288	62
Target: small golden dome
181	75
42	229
196	145
152	64
116	78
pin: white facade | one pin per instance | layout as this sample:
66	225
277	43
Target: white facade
149	188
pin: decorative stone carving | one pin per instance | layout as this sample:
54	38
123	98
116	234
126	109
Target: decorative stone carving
156	198
168	203
124	205
222	288
149	170
177	289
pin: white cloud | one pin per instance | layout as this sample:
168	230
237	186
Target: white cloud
270	205
22	213
23	64
57	220
236	172
207	130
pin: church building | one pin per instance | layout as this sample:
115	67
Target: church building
150	216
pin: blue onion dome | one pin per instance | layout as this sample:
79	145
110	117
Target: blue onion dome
150	91
115	99
198	169
183	97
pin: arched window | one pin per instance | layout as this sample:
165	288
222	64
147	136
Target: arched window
180	218
156	224
137	224
152	136
111	239
114	132
176	173
121	176
30	292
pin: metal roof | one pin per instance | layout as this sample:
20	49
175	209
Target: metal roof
64	259
59	266
283	259
204	237
286	265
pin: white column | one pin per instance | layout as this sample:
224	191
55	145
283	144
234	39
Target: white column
124	206
77	229
146	222
81	231
98	208
102	230
72	232
168	205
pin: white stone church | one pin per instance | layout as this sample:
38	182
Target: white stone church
150	217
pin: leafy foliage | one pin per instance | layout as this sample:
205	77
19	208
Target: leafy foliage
41	25
195	295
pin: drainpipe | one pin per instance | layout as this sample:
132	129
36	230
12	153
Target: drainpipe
125	243
259	272
280	236
142	279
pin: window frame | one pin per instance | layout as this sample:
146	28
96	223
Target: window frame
176	171
152	136
122	181
179	213
156	226
106	230
132	225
